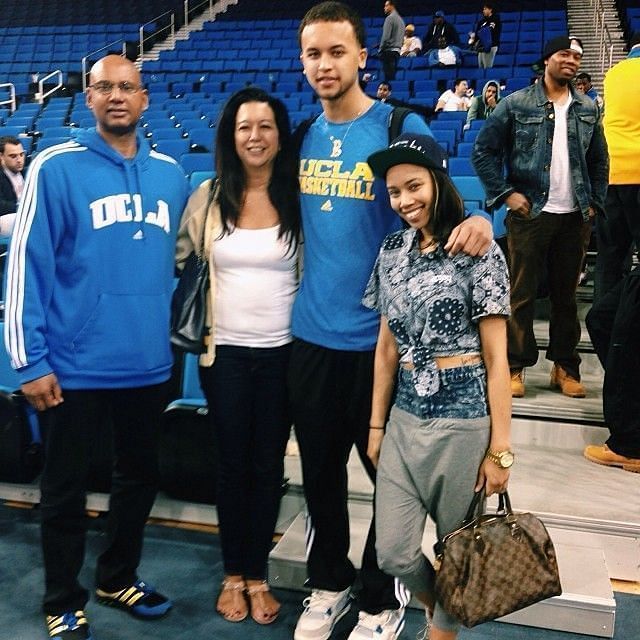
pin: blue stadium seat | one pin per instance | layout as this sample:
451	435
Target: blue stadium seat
173	148
8	377
57	132
470	135
203	137
191	162
446	137
465	149
447	125
198	177
45	143
167	133
470	188
190	381
461	167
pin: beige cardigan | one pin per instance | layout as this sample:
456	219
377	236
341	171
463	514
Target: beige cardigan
189	237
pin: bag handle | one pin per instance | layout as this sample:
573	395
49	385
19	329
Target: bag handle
475	508
210	198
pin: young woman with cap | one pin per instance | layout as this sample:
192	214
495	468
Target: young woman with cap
442	346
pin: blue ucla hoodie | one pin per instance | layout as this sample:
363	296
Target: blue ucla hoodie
91	263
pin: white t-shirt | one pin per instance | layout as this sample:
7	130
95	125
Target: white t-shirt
561	195
256	282
410	45
447	56
452	102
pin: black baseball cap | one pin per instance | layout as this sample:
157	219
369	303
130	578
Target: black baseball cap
409	148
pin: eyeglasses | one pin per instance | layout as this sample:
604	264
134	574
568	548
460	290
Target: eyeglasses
106	88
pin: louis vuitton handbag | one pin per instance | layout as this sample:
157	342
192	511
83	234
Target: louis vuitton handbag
494	564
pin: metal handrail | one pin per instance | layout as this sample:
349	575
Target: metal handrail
106	46
602	30
188	11
143	38
40	96
12	92
603	47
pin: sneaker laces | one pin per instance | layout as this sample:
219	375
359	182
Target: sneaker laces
373	621
71	621
423	633
320	602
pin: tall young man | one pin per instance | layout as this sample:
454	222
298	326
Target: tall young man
89	281
346	215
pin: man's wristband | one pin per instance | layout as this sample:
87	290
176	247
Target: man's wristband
376	428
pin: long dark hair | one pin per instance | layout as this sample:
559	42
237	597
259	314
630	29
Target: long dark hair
447	210
284	187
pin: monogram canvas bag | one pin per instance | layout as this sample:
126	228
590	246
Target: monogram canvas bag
495	564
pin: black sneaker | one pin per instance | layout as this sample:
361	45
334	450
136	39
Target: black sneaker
72	625
140	600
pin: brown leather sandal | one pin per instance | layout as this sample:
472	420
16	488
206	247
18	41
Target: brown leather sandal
261	611
238	601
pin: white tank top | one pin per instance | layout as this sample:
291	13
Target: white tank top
256	282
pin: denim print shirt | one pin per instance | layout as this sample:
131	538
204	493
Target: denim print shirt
432	302
519	136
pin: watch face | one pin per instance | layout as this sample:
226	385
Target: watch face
506	459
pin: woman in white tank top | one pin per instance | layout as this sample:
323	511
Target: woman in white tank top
251	222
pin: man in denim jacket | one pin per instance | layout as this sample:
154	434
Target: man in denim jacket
548	138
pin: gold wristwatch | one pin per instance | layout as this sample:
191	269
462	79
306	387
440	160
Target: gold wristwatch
504	459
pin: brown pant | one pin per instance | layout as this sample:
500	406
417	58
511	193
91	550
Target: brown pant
553	244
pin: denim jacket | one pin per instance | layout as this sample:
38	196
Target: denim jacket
519	135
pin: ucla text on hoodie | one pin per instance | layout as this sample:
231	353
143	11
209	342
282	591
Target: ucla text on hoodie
91	264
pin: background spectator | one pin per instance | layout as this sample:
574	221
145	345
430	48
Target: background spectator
440	28
412	45
446	55
483	105
391	40
12	158
583	85
455	99
486	37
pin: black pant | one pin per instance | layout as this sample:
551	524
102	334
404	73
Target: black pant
616	230
389	60
555	242
330	394
134	414
614	326
246	390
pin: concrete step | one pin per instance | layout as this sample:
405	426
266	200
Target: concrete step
586	605
552	479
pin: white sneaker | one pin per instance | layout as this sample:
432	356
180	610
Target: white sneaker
386	625
322	611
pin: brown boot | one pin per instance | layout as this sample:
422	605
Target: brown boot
601	454
517	383
569	386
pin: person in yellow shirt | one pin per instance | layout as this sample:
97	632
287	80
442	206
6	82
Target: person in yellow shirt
620	226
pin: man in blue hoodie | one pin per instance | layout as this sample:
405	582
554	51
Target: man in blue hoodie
87	327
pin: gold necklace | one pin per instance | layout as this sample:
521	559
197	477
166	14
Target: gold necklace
424	247
336	149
